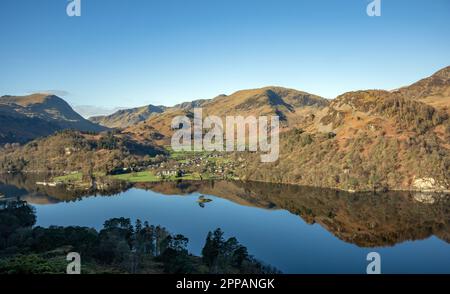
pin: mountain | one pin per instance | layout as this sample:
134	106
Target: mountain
434	90
369	140
24	118
191	104
126	117
290	105
88	111
19	128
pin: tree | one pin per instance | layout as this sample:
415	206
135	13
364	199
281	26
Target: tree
121	226
175	257
240	255
178	243
149	239
224	256
161	241
209	252
213	249
138	226
15	215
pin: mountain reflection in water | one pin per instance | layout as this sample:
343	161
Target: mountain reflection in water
363	219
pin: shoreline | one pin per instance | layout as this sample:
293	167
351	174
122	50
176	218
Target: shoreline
111	177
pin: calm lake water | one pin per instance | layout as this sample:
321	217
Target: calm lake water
296	229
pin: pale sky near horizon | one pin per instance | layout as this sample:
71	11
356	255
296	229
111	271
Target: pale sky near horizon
122	53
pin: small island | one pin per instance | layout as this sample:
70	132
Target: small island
203	199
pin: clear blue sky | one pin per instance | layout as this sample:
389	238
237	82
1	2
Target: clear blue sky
131	53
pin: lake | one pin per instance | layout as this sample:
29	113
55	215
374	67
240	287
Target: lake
296	229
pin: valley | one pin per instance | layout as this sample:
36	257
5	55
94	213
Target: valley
371	140
305	142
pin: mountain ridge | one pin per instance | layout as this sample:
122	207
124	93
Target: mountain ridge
239	101
290	105
22	115
366	140
126	117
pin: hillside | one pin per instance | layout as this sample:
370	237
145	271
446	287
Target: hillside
190	105
288	104
16	127
27	117
72	151
434	90
127	117
292	106
367	140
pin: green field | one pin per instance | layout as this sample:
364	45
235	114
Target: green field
180	155
75	177
139	177
147	176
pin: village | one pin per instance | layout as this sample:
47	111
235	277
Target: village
182	165
172	167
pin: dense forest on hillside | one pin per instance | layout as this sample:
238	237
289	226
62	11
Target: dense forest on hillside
399	146
69	151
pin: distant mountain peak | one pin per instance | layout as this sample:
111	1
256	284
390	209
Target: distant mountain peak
27	117
126	117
